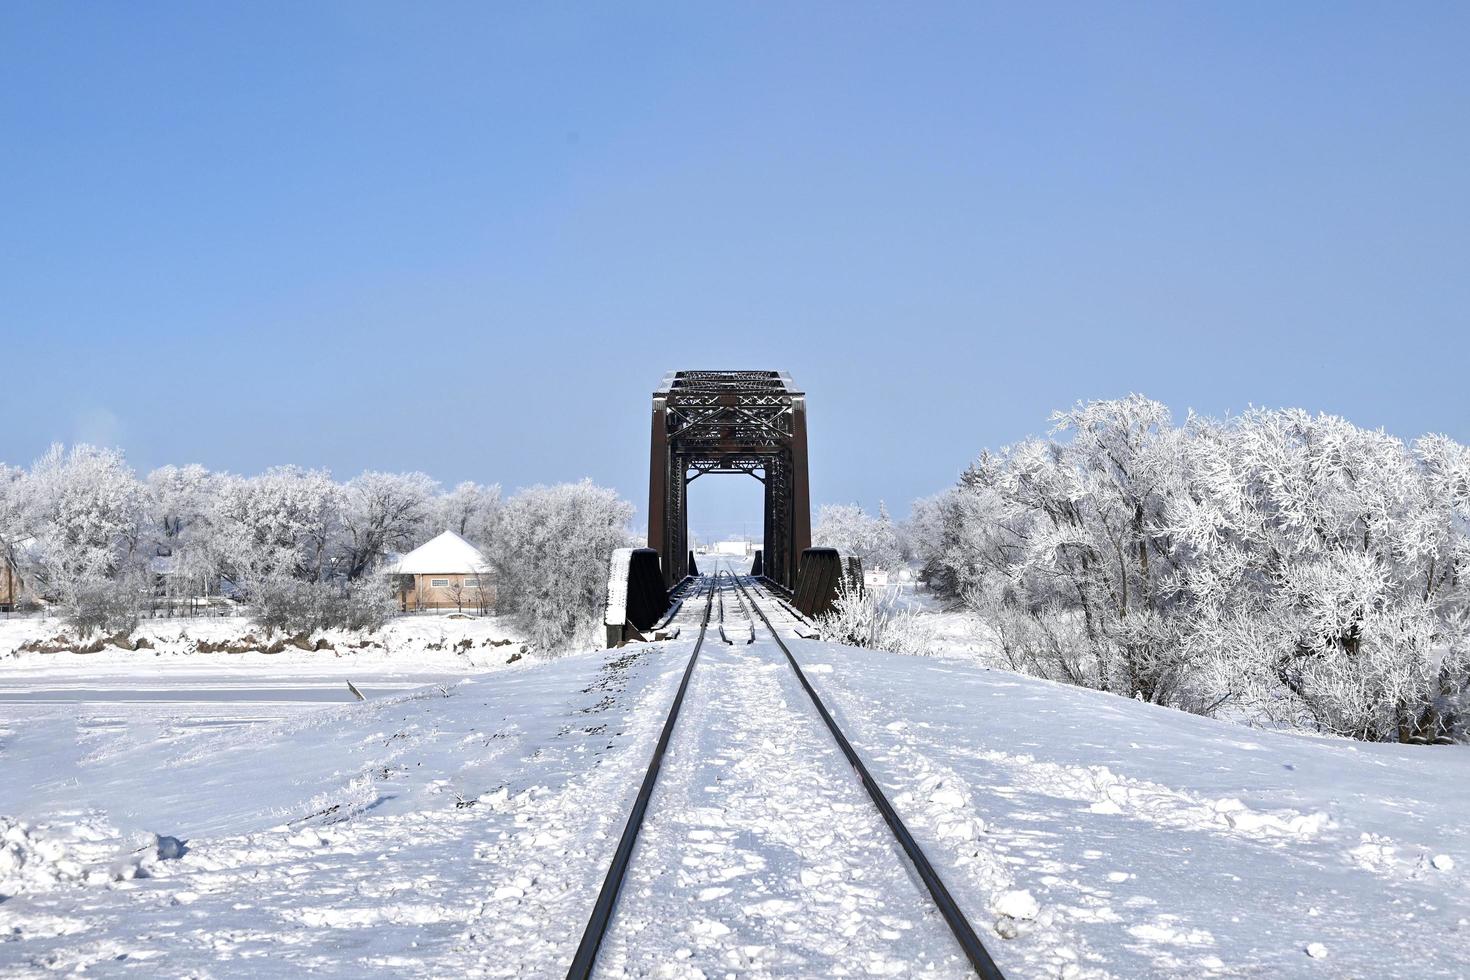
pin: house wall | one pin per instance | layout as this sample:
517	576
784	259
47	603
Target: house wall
418	592
10	585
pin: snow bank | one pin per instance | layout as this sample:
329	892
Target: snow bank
37	858
32	859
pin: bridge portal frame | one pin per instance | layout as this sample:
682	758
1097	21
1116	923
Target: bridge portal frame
742	422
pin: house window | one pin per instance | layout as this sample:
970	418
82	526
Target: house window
439	583
472	583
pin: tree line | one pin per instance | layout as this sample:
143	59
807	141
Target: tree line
1279	567
87	534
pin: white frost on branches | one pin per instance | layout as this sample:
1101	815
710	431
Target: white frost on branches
1290	568
551	554
84	510
852	531
877	620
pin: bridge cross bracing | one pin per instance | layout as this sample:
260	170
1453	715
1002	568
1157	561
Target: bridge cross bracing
721	422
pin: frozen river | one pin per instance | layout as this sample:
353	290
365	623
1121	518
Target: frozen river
175	697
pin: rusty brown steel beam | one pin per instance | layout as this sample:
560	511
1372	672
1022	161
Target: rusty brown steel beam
747	421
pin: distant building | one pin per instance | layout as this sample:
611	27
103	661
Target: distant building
445	573
13	590
164	573
11	587
740	548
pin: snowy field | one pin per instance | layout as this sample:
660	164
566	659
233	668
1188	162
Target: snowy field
1158	843
461	820
171	685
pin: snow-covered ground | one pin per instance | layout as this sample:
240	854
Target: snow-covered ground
1158	843
456	828
463	827
764	854
954	632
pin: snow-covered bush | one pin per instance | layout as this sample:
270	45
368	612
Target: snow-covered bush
1287	568
1047	641
106	606
291	606
877	620
551	554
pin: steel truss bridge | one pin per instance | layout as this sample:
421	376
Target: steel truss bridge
742	422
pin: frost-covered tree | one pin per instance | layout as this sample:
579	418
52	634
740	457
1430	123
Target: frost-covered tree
1326	566
947	531
851	530
1069	535
470	510
302	548
179	500
13	525
550	554
12	509
280	524
383	512
1285	567
84	508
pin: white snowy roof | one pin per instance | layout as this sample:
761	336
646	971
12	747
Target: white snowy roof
447	554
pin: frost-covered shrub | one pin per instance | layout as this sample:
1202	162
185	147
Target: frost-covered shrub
104	606
292	606
367	604
1049	641
285	604
876	620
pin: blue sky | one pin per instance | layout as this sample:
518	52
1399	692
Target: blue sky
469	239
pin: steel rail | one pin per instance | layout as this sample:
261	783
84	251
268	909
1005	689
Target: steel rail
964	933
602	909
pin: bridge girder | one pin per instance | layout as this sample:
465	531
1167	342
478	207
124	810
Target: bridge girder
743	422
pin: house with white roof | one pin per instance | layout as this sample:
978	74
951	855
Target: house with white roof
446	572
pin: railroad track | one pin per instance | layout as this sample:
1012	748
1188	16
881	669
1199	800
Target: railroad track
585	959
607	898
